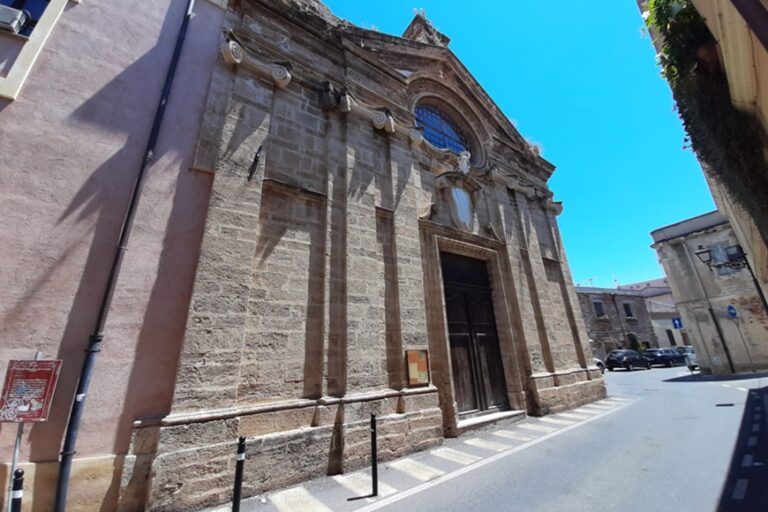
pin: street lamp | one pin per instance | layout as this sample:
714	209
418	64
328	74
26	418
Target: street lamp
735	259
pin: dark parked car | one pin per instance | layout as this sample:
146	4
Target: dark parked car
628	359
665	356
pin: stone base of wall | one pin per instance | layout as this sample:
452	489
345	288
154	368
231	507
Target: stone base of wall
94	484
286	443
575	388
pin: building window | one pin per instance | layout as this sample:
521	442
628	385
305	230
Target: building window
33	9
599	309
671	338
628	310
440	130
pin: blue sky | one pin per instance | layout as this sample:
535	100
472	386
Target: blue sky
580	80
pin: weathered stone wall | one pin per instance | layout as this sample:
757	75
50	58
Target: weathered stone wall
612	329
320	263
703	296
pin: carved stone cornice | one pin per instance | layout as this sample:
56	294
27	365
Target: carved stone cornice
235	54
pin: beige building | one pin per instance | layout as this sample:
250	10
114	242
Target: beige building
662	310
719	303
740	32
326	203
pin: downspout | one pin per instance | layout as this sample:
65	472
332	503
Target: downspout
96	338
618	317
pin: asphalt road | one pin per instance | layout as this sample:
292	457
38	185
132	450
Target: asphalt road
664	441
670	450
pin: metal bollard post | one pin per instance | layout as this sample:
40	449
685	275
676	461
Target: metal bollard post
240	458
374	458
17	491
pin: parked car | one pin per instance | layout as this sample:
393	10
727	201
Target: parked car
690	357
664	356
625	358
599	363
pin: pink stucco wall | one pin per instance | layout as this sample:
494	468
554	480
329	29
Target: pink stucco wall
70	148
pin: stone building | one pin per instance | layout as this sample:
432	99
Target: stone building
725	343
662	310
353	200
740	29
616	318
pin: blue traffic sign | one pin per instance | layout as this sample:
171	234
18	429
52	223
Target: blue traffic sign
732	312
677	322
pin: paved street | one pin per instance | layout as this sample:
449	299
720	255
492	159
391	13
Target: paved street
663	441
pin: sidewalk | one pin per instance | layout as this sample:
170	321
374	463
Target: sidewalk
406	476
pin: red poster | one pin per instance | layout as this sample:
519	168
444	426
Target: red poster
28	390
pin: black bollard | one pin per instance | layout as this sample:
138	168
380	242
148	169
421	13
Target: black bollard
240	461
17	490
374	458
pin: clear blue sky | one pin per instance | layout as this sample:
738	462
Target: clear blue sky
581	80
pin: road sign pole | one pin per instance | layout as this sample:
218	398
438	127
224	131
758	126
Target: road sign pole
17	450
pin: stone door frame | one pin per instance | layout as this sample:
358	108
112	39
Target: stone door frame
436	238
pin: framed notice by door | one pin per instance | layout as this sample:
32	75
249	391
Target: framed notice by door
418	367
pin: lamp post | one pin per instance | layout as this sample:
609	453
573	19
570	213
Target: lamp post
735	259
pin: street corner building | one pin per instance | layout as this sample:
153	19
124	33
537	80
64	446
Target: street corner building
720	301
337	223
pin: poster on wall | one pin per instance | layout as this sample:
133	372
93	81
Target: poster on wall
28	390
418	367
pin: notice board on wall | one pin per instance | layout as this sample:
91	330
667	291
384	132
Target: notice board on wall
418	367
28	390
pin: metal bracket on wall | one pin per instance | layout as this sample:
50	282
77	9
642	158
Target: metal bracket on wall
255	164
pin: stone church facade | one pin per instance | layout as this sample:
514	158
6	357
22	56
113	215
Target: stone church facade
335	223
369	198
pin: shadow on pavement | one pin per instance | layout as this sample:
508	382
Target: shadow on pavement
745	487
698	377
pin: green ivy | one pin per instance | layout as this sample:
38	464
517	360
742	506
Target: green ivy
728	141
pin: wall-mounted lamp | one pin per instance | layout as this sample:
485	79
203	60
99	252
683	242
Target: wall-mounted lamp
705	255
735	258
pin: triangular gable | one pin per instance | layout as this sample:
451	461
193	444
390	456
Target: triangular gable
416	56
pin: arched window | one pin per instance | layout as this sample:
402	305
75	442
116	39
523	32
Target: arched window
440	130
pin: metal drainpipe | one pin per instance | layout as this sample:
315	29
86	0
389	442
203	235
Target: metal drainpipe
618	317
95	340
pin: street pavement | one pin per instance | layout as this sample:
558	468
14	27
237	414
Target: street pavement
664	440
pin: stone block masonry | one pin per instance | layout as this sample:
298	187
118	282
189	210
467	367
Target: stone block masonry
331	210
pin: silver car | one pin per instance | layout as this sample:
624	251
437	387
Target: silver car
690	358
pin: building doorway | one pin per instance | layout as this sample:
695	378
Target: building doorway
478	373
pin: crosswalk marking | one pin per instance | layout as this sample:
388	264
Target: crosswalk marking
487	445
597	406
513	435
417	470
538	428
740	490
456	456
297	499
360	484
571	416
557	421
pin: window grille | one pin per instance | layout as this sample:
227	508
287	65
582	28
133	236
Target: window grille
440	130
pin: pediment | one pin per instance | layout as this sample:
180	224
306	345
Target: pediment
428	67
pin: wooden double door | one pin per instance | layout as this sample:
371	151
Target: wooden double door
478	372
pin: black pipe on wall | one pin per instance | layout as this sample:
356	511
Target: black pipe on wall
96	338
